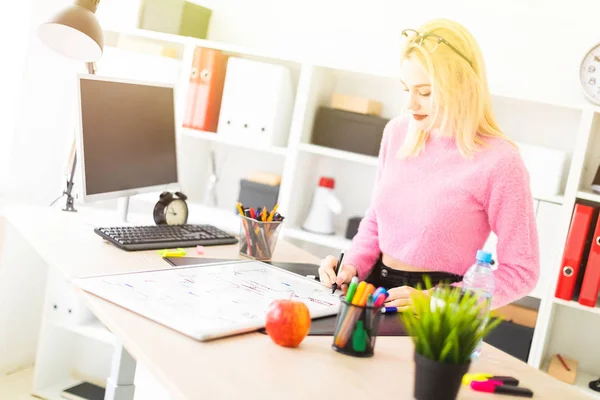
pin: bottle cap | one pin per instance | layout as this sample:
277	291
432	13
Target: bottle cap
483	256
327	182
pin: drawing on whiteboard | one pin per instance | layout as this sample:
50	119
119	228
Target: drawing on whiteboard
210	301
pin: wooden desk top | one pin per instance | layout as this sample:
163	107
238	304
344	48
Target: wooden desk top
247	366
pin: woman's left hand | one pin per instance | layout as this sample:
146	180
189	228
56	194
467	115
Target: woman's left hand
400	297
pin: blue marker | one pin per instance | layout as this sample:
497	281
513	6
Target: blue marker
389	310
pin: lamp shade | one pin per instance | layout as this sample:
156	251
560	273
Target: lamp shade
75	33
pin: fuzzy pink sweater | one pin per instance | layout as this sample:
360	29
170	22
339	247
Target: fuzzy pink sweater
434	212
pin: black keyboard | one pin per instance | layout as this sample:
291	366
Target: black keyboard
164	236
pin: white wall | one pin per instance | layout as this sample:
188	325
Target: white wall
531	47
44	116
14	26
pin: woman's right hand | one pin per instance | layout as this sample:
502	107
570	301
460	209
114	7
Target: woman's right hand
327	275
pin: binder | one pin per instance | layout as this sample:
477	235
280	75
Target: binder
591	278
205	90
574	250
258	100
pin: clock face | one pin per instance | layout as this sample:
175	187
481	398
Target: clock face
589	74
176	212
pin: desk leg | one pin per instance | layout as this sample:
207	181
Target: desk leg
119	385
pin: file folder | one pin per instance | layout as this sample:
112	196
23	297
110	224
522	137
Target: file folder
591	278
205	90
574	251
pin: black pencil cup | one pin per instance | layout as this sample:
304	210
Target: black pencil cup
356	329
258	238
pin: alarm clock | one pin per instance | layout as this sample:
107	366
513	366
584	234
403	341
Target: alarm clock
171	209
589	74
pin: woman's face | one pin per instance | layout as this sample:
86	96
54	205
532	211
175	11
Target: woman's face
418	99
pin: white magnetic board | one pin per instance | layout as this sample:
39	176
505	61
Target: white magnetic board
211	301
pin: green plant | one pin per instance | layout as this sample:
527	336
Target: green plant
448	328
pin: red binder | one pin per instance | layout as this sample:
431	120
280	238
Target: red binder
573	253
591	278
205	90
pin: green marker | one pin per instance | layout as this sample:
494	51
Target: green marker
359	338
351	289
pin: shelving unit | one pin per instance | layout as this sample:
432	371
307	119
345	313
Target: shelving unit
575	305
338	154
92	330
588	195
214	137
572	128
53	392
582	382
331	241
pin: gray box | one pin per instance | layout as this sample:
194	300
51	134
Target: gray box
253	194
349	131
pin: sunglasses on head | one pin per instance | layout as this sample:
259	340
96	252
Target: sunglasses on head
429	42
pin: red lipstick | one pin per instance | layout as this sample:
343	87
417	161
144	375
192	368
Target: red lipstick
419	117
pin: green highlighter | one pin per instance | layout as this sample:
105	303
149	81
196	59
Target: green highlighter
359	338
351	289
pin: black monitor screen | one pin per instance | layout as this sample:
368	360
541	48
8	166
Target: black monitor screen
128	136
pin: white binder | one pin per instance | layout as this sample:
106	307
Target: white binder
257	102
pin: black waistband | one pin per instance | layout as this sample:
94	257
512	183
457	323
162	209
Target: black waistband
387	277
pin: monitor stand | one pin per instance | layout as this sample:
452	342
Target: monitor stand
123	208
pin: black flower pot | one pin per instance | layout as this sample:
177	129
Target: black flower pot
437	381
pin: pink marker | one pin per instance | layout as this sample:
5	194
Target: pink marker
379	301
493	387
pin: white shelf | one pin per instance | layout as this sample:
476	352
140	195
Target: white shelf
556	199
582	382
192	41
338	154
333	241
93	330
576	305
54	392
215	137
588	195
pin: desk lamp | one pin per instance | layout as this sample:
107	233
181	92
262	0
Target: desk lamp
75	33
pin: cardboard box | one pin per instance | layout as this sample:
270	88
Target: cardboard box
558	370
356	104
517	315
178	17
348	131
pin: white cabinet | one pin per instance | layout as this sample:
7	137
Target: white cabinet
551	245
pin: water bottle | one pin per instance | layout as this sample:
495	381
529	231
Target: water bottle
479	279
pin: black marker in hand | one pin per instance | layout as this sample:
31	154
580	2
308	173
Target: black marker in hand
337	269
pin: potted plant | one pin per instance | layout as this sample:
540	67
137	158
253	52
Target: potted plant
446	325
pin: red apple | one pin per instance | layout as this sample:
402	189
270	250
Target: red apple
288	322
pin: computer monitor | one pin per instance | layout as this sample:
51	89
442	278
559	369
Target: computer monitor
126	139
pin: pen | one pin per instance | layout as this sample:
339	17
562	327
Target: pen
389	310
336	270
562	361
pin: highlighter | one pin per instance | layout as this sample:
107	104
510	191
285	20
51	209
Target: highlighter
493	387
504	380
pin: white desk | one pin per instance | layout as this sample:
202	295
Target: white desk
247	366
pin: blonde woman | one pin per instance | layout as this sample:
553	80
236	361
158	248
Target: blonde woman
447	176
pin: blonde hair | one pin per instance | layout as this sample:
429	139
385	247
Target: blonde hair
460	89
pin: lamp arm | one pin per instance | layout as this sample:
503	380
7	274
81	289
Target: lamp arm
91	67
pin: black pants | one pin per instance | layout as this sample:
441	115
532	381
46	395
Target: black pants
391	278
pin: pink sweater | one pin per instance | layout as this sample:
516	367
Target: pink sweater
436	210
